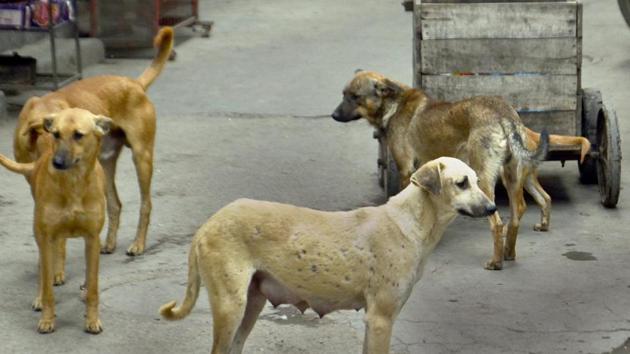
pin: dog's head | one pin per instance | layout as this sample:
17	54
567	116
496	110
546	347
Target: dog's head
76	136
454	184
364	97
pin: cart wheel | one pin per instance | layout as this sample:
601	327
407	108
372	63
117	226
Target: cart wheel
608	158
392	177
591	106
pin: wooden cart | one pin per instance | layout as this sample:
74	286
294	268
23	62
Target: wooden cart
528	52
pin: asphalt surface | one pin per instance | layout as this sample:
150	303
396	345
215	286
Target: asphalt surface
244	114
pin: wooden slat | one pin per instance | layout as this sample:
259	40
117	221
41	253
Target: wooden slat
525	93
498	20
482	1
557	122
548	56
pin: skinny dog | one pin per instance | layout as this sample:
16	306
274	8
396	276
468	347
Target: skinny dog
251	251
68	186
486	132
126	102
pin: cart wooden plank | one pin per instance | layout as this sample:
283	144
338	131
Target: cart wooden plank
480	1
498	20
556	122
525	93
508	56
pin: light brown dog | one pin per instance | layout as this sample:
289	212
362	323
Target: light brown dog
251	251
68	186
126	102
484	131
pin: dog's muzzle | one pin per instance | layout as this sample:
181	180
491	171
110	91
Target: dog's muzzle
479	212
60	162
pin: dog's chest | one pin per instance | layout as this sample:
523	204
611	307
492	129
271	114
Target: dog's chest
74	216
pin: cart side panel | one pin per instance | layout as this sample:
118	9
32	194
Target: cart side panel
527	52
525	92
556	122
505	56
482	1
499	20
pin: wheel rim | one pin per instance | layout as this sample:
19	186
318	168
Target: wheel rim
609	158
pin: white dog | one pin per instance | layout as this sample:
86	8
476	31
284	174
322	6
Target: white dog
252	251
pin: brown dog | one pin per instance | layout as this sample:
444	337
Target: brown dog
68	186
484	131
251	251
126	102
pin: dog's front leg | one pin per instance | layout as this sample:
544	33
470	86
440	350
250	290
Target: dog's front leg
59	261
45	300
379	321
92	251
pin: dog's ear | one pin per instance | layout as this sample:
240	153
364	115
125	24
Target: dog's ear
48	121
429	177
358	71
387	88
34	127
102	125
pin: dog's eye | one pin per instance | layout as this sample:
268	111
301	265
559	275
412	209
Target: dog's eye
57	135
77	136
463	184
354	97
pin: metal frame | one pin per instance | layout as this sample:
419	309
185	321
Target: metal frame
56	83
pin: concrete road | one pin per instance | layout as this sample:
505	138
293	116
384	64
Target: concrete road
243	114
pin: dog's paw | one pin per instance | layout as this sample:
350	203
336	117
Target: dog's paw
108	249
94	326
37	304
135	250
60	279
541	227
494	265
46	326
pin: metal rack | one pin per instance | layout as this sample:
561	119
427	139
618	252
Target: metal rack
53	81
133	24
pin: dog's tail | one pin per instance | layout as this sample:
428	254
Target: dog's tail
585	145
169	311
519	143
164	42
22	168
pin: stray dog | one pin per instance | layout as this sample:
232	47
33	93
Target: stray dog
251	251
68	186
126	102
486	132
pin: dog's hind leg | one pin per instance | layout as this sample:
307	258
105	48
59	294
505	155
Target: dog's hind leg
59	259
143	160
533	187
255	303
228	283
486	159
513	180
114	205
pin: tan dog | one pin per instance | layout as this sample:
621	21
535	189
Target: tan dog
251	251
68	186
484	131
126	102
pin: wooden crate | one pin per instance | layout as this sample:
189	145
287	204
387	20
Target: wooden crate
526	51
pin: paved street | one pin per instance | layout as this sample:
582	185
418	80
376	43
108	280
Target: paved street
245	114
